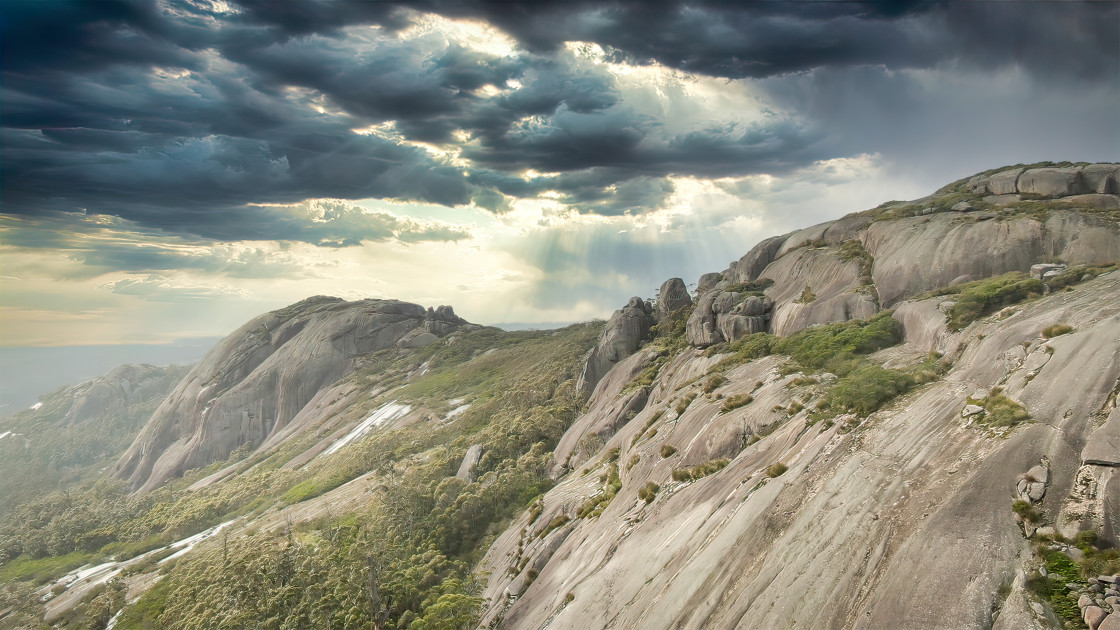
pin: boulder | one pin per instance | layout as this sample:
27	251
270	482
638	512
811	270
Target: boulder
1103	446
623	334
417	338
1040	269
708	281
1101	178
671	297
1052	182
727	316
1084	602
971	410
470	460
1111	622
963	206
1002	183
753	262
1093	616
1039	473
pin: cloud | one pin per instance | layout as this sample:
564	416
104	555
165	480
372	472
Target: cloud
158	288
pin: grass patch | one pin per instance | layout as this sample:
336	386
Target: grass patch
646	377
1028	512
40	570
683	403
807	296
648	492
594	506
1056	330
734	402
983	297
1000	411
700	471
776	470
1080	273
667	450
555	523
714	382
649	423
754	287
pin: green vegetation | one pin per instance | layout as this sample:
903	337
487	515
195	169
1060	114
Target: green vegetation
667	450
683	403
983	297
700	471
1076	274
734	402
649	423
554	524
648	492
1062	571
1056	330
807	296
833	346
51	451
422	530
754	287
647	376
1024	509
1000	411
39	570
853	250
776	469
595	505
714	382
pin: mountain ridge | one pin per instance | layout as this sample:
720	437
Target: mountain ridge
831	432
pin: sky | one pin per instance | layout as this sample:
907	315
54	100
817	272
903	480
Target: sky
171	169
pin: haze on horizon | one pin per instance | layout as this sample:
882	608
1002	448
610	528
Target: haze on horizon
171	169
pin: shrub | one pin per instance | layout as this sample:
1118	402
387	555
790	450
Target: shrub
735	402
865	389
977	299
1028	512
700	471
667	450
648	492
1056	330
713	383
834	345
683	403
569	597
634	459
776	469
1073	275
807	296
1003	412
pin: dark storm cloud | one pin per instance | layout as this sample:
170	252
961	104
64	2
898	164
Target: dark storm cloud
179	115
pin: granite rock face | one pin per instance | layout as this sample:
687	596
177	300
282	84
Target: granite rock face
819	277
671	297
254	382
887	516
627	328
122	387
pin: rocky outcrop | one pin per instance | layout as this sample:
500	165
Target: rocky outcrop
121	388
727	316
671	297
254	382
624	333
816	286
1049	182
890	514
753	262
1103	448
